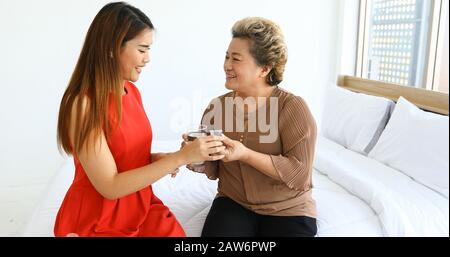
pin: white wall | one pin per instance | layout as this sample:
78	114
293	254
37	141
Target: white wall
443	67
41	40
347	37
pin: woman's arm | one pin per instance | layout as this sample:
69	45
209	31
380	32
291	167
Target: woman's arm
262	162
100	167
298	135
236	151
157	156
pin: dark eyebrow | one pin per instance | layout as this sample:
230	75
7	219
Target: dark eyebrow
235	54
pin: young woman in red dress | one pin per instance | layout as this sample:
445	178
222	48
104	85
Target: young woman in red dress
102	123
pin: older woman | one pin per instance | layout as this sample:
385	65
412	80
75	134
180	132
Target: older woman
265	182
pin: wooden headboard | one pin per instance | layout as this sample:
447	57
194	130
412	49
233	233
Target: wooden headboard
425	99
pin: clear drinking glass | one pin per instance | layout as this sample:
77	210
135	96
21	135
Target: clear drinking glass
215	132
194	132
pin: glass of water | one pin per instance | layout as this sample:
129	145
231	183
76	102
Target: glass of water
195	132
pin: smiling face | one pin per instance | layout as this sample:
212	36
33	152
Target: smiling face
241	70
135	54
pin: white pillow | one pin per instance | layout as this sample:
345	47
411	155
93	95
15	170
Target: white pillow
416	143
354	120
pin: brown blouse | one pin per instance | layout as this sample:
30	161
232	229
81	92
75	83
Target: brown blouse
292	154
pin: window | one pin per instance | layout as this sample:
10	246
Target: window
402	42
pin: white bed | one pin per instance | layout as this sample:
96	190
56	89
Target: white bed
356	198
356	195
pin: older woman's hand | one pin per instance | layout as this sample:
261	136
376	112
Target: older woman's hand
235	150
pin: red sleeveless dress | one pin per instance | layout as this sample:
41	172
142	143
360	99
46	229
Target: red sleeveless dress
86	212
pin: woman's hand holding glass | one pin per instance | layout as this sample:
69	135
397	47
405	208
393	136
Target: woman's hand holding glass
231	150
234	151
205	148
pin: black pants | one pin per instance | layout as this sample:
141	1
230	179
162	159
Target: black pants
229	219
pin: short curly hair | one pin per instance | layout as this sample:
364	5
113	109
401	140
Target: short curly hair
267	45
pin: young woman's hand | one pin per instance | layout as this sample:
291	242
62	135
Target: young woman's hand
235	150
197	168
201	149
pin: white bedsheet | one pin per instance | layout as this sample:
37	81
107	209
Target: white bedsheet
345	208
403	206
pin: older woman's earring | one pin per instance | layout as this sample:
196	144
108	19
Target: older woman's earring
111	55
